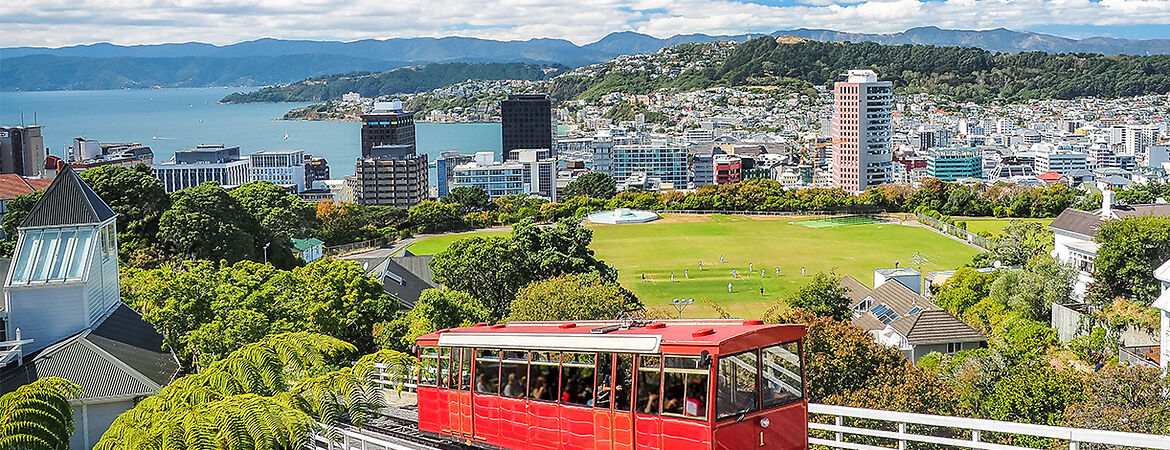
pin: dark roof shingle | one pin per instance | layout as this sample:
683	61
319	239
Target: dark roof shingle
122	356
1077	221
935	326
68	201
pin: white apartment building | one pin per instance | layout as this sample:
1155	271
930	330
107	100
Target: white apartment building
496	178
862	155
1061	162
1134	139
657	159
192	167
281	167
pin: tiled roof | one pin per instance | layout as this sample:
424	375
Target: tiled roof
12	185
122	356
305	244
126	336
935	326
857	291
68	201
1076	221
1155	209
900	298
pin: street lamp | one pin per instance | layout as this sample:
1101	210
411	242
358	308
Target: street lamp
266	252
682	303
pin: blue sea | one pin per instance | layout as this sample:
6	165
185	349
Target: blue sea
175	119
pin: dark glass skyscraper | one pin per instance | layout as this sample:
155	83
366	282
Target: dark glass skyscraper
526	123
389	126
389	173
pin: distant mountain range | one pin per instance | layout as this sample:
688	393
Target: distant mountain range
107	66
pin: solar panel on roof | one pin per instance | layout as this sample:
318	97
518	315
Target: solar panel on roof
914	310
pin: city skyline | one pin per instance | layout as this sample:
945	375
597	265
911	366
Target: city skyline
133	22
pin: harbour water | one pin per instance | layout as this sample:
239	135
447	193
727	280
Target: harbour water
175	119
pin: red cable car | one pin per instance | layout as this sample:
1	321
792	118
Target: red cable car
717	384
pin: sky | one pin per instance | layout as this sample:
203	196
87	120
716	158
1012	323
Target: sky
54	23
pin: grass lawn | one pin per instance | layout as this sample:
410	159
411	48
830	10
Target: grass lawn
993	226
436	244
676	244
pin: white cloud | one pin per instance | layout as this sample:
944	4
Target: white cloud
67	22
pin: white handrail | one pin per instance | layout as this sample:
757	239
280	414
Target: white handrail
1075	436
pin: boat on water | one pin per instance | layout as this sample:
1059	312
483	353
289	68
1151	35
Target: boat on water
160	138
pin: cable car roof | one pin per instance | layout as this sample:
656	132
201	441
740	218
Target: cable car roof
610	336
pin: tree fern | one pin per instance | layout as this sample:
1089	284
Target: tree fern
260	397
38	415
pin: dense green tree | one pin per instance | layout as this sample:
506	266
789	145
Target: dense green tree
337	298
1031	291
843	365
1123	398
38	415
494	268
1021	241
280	213
593	185
140	200
964	289
17	210
205	222
1035	393
491	268
205	311
469	198
432	217
1131	248
572	297
823	296
435	310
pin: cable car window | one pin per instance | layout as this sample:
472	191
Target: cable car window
685	382
623	381
428	371
514	374
465	369
782	380
736	391
604	389
577	372
445	367
649	383
545	370
487	372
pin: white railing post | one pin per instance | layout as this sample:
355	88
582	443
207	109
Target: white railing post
975	435
840	421
901	431
1073	445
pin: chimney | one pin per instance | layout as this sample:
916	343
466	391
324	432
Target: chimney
1106	200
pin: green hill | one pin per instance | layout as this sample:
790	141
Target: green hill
405	80
963	73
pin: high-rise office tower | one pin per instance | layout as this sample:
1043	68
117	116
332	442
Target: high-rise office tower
22	151
389	172
387	124
862	155
526	123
